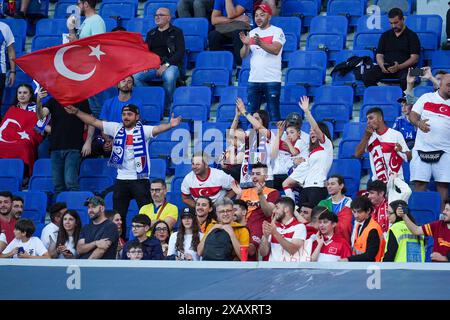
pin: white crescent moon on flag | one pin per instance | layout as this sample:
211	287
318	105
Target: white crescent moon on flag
66	72
3	127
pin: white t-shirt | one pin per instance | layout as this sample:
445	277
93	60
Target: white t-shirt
3	238
262	152
50	230
388	140
290	231
319	161
128	168
70	245
284	161
187	245
215	185
264	66
6	39
433	107
34	247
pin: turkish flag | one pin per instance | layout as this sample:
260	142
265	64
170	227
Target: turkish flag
17	137
80	69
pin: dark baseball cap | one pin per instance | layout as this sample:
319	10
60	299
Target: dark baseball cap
95	201
294	119
131	107
188	212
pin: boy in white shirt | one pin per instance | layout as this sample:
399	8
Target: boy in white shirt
25	245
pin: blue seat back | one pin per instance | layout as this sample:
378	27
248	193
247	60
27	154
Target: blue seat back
141	25
350	169
35	205
425	206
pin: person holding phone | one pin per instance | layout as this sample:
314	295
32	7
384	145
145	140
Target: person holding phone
401	244
398	49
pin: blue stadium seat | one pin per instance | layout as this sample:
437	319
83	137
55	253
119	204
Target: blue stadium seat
75	201
349	78
65	9
353	131
41	180
11	174
39	228
213	69
36	8
135	3
385	5
420	90
304	9
351	9
289	98
153	99
440	60
327	33
292	27
195	31
425	206
244	72
35	205
95	183
49	27
110	23
306	127
193	96
125	11
307	68
182	169
384	97
428	28
175	199
97	167
175	185
350	169
133	210
19	30
368	32
141	25
157	169
151	7
42	42
333	103
227	103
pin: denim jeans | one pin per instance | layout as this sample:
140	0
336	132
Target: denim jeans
169	78
201	8
65	169
271	91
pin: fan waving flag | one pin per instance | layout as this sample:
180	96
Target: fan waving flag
80	69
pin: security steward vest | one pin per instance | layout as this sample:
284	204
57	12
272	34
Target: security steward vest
410	248
360	244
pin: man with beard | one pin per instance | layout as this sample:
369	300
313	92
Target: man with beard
7	221
431	153
439	230
17	207
112	111
284	237
387	147
266	46
130	155
92	25
398	49
99	239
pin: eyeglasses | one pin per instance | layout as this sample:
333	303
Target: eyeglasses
161	229
226	211
136	251
135	226
155	190
161	15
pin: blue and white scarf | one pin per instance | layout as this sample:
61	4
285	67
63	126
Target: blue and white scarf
139	147
40	124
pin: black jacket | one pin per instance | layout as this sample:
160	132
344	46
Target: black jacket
168	45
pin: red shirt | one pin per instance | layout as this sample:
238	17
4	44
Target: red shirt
441	235
310	231
333	249
255	215
8	228
381	216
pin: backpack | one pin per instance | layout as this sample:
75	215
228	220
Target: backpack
218	246
358	65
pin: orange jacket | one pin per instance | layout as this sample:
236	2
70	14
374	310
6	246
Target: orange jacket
360	245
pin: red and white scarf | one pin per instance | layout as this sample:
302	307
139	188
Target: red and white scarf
382	170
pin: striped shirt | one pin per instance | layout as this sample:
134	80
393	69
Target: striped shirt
6	39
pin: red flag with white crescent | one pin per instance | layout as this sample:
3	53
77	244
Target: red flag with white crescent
80	69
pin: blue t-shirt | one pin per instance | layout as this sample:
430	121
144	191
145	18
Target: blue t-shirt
247	4
406	128
112	108
93	232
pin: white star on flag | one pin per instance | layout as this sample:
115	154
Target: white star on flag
96	52
24	135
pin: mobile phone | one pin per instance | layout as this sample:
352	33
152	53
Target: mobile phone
416	72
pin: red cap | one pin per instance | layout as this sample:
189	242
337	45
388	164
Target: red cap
264	7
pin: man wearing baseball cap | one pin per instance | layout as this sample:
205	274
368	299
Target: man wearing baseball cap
265	43
99	239
130	154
